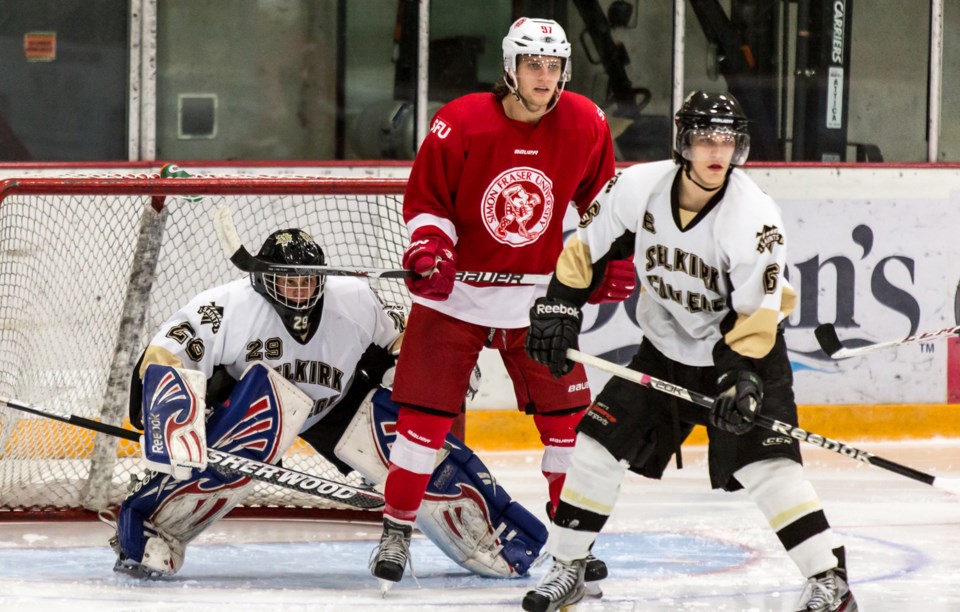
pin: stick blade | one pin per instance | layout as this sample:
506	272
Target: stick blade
827	338
951	485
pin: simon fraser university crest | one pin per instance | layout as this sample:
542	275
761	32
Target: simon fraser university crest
518	205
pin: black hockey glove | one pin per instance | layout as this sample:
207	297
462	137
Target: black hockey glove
739	402
554	327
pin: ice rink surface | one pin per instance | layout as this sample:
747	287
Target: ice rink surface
673	545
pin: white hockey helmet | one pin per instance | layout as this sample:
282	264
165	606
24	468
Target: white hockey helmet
535	37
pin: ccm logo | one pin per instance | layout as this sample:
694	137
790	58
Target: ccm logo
557	309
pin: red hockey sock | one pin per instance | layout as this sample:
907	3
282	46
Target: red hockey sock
554	486
558	434
419	437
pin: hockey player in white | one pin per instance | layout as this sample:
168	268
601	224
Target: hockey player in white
248	366
711	249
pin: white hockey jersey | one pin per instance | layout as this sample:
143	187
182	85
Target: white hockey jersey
232	325
731	254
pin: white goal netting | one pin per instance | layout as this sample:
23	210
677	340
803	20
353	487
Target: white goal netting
89	269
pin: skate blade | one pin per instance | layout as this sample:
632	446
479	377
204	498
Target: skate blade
385	585
592	590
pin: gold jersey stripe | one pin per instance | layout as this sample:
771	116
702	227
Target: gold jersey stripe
754	335
575	266
160	356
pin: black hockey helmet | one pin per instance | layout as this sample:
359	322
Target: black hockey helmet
291	295
712	112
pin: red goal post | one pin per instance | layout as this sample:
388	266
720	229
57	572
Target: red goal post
89	269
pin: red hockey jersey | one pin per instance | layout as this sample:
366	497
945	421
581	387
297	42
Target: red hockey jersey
499	189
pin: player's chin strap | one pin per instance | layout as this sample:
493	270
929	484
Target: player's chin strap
510	82
686	169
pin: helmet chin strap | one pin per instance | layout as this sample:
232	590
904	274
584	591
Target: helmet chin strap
686	169
515	90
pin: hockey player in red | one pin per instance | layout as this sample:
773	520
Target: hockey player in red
488	191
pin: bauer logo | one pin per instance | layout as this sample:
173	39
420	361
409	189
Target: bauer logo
518	206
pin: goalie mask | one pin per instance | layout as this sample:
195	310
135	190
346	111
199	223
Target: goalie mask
292	296
541	38
717	116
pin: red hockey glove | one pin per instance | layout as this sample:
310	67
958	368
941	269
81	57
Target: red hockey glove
619	281
433	258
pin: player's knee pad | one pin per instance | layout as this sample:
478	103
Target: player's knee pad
162	515
465	513
262	417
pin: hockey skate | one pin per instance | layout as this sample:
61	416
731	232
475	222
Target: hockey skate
131	567
392	555
594	572
827	592
560	587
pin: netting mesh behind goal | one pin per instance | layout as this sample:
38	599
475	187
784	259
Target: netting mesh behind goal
86	279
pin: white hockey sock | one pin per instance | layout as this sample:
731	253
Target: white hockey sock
593	484
785	496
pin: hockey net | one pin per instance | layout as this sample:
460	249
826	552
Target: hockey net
89	269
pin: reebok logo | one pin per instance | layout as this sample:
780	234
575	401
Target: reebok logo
570	311
817	440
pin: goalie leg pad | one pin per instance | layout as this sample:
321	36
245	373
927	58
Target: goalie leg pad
174	437
261	418
474	520
162	515
470	517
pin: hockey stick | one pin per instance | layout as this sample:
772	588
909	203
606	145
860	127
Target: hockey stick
831	345
357	497
951	485
244	260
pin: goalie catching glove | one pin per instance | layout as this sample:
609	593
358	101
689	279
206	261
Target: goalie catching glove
431	256
554	328
737	406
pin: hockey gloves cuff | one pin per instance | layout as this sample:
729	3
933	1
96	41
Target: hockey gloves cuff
739	402
554	328
619	281
432	258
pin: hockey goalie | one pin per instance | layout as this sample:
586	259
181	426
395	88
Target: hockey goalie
247	367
